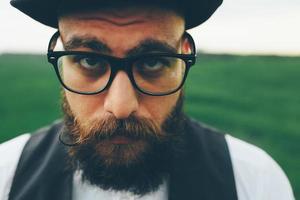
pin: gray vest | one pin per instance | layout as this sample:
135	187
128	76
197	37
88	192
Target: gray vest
204	173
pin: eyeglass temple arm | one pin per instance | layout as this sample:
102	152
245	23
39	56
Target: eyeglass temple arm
53	41
192	42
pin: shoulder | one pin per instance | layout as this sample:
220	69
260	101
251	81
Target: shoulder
257	175
10	153
204	133
11	150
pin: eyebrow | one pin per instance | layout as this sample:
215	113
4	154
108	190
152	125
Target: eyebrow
151	46
87	42
94	44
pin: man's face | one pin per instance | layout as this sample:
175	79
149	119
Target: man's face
121	33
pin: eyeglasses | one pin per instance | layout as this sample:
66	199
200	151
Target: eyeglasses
89	73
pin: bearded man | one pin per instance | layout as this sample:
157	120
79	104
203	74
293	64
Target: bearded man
124	135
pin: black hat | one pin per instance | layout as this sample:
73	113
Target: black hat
46	11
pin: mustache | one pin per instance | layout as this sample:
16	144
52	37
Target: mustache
133	127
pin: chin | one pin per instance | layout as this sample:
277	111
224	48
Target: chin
121	154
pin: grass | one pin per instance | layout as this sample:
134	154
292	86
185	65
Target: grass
255	98
29	94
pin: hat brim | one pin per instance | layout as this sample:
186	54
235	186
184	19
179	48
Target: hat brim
195	11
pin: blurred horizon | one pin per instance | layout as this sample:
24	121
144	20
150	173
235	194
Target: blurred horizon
251	27
200	53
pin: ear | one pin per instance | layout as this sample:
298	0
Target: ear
186	46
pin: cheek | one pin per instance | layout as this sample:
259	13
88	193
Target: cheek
85	107
160	107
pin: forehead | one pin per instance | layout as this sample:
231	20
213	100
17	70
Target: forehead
121	29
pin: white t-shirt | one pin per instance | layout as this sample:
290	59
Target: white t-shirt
257	175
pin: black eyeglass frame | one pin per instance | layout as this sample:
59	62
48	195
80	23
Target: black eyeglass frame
117	64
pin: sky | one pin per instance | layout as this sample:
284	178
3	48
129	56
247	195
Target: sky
238	26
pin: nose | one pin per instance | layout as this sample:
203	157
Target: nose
121	99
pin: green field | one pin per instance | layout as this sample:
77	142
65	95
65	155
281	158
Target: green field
255	98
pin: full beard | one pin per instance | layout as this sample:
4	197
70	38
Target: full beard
140	166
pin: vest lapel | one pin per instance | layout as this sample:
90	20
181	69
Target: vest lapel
204	172
41	171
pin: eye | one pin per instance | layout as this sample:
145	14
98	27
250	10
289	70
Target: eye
153	64
90	62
